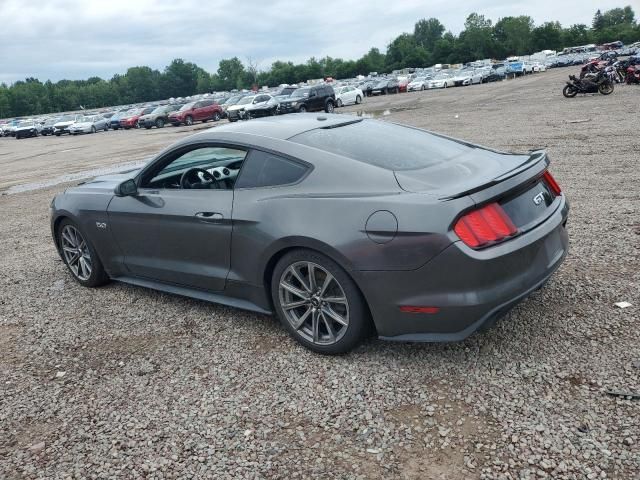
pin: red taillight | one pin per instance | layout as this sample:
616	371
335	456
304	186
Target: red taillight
551	182
489	224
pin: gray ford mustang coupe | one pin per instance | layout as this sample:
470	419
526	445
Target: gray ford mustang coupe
337	224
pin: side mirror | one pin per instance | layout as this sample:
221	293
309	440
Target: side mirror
127	188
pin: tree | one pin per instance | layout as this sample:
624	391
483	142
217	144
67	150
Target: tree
476	40
578	34
427	32
547	36
231	73
180	79
598	21
514	35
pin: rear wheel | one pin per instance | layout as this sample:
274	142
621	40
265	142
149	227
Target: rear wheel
188	120
605	88
318	303
329	107
93	129
569	92
79	256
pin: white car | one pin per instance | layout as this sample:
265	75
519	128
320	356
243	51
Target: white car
262	105
467	76
348	95
62	126
89	124
527	68
539	67
418	83
441	80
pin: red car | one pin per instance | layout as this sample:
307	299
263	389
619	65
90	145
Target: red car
130	119
201	110
402	84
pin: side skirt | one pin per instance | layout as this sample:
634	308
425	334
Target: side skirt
194	293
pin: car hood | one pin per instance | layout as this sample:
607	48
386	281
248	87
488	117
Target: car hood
237	107
18	129
463	174
63	124
109	182
80	125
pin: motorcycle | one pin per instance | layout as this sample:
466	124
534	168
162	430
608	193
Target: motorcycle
633	75
592	84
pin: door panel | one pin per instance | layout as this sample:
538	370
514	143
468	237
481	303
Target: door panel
174	235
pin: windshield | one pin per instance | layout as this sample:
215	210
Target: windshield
441	76
67	118
159	109
133	111
382	83
232	100
246	100
85	120
51	121
28	123
300	93
419	79
187	106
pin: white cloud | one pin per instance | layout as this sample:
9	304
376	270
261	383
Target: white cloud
78	39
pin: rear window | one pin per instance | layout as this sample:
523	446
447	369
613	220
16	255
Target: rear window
383	144
262	169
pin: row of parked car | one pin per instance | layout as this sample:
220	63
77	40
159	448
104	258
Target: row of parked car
245	105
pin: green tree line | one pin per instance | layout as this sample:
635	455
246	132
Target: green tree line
429	43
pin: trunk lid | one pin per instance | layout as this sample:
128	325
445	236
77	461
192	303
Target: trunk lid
470	171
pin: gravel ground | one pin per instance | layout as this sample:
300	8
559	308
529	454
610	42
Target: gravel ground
123	382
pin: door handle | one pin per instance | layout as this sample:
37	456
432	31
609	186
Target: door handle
209	217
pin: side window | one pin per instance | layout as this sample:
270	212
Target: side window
207	103
263	169
222	162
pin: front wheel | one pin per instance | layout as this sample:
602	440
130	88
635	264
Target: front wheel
188	121
605	88
329	107
302	109
216	116
339	103
569	91
318	302
358	100
79	256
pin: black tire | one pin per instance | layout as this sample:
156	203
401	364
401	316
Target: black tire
216	116
302	109
569	92
188	120
137	125
57	134
98	275
359	321
329	106
338	103
106	128
159	123
422	88
358	99
148	127
605	88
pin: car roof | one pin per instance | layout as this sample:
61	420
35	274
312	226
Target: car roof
280	127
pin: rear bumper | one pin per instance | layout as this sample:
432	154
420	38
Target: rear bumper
471	288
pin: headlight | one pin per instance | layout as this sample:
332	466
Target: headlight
293	104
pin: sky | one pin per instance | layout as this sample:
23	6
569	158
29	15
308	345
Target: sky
69	39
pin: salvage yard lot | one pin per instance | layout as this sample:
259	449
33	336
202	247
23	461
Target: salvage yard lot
127	382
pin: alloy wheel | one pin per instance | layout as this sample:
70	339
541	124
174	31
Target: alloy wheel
314	303
76	252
